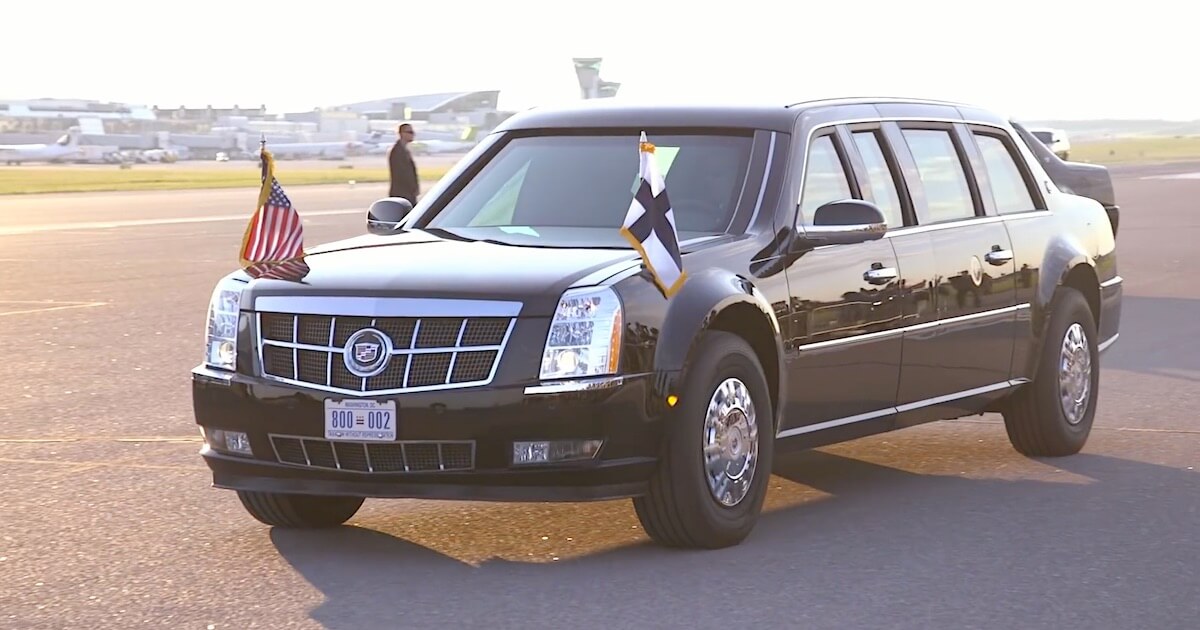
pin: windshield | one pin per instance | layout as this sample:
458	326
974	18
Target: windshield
1044	136
582	182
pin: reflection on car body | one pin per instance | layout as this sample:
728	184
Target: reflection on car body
856	266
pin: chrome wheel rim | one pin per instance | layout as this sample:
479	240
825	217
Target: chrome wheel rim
730	442
1075	374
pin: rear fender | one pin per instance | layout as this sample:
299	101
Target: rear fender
1065	254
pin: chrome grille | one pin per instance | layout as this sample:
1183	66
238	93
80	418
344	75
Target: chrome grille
427	353
377	457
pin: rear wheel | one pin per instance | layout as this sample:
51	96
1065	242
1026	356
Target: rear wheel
708	489
299	511
1052	416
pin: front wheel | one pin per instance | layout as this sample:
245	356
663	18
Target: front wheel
299	510
708	490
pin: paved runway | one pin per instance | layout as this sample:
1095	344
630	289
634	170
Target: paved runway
108	519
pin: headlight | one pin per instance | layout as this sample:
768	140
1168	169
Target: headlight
221	339
585	335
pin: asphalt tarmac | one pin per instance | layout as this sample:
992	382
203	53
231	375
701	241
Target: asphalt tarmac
108	520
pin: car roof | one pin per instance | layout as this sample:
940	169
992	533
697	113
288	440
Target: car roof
627	113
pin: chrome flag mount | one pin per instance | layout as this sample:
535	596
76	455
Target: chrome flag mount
650	225
273	245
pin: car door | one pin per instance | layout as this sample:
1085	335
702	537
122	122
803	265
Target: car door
884	157
968	351
1011	186
843	351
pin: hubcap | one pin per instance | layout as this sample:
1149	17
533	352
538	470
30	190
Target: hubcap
1075	374
730	442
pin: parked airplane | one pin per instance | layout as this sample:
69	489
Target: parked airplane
317	150
65	148
428	147
430	142
164	150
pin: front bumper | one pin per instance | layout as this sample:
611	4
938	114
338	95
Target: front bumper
471	430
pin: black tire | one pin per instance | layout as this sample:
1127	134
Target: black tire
1034	418
679	510
299	511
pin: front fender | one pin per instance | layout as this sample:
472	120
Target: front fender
661	334
691	311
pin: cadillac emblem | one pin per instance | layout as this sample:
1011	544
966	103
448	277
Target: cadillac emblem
367	352
976	271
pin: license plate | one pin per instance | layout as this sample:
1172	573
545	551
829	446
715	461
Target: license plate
363	420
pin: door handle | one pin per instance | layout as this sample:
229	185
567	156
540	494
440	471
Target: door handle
880	275
999	256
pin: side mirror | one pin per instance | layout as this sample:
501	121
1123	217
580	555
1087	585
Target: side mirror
845	222
386	213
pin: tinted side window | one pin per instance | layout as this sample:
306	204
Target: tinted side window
1008	186
942	175
879	177
824	180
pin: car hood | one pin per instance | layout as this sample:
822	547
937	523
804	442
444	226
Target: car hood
503	264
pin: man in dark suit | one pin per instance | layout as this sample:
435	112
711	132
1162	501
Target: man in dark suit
402	167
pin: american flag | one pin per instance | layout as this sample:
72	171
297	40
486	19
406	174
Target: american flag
275	234
650	225
294	270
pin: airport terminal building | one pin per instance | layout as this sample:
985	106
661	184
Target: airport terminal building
473	108
203	132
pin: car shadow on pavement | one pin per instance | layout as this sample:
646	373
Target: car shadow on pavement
868	546
1158	337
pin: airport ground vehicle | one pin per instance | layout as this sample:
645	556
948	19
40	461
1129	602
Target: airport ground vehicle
1054	139
856	266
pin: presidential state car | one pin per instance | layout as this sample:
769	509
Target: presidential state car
852	267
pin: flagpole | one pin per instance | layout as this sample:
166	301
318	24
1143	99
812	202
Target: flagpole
273	245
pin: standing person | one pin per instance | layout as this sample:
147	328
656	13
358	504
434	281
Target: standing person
402	167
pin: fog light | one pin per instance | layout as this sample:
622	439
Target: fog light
545	452
226	353
237	442
228	441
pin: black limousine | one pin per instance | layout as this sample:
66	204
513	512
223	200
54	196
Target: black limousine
854	266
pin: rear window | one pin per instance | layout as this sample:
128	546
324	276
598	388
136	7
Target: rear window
589	182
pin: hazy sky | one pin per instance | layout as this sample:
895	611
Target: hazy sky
1031	59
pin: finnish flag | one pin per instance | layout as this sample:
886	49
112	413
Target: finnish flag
650	225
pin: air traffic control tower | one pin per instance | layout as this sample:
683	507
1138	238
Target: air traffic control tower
587	70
